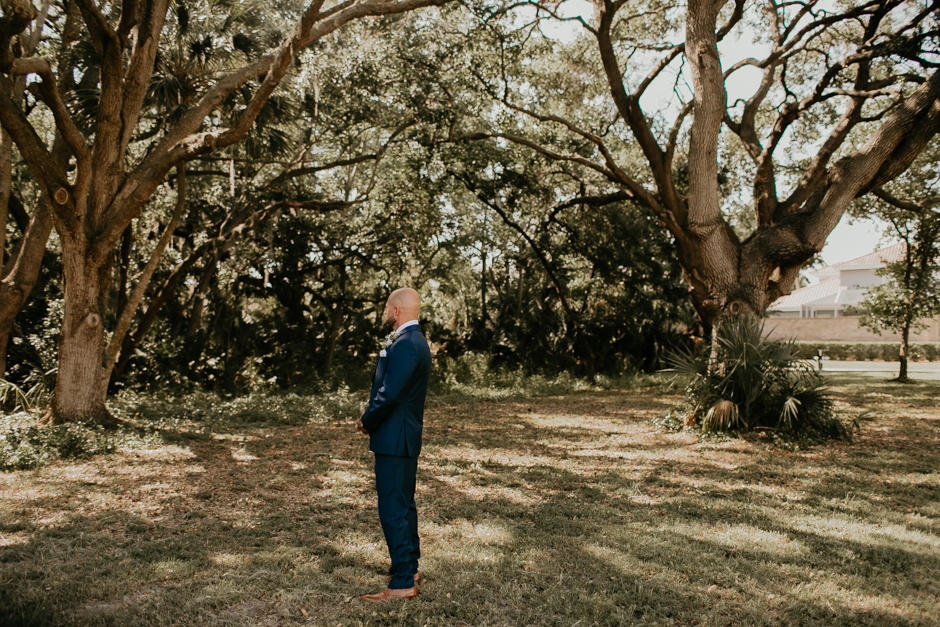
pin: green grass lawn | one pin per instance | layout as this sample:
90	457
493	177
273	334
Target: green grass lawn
559	510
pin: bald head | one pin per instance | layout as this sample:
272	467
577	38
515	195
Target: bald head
403	304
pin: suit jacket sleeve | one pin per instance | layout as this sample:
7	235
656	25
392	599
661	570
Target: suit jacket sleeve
402	364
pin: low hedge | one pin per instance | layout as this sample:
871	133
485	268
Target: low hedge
868	351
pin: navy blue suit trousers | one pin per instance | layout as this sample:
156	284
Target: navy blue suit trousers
395	483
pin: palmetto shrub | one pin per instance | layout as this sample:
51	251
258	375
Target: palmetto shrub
755	384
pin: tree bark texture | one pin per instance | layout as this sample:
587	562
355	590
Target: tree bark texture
708	239
79	393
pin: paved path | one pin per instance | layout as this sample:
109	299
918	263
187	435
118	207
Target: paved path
885	369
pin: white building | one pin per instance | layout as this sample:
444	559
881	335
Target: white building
841	288
828	311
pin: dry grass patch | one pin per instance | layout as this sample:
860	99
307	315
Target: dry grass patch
559	510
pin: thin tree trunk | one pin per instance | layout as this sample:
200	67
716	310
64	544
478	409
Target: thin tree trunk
521	289
126	314
905	347
336	318
18	275
199	303
124	267
483	312
21	275
6	181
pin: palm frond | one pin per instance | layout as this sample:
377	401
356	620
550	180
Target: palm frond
759	383
723	416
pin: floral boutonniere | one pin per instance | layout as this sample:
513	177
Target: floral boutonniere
389	339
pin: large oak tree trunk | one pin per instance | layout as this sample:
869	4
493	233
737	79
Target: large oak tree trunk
81	391
709	243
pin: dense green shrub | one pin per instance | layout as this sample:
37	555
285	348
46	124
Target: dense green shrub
25	447
165	412
755	384
475	375
34	391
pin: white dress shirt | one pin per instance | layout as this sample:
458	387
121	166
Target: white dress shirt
405	325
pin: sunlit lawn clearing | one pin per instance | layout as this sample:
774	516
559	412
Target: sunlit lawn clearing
565	510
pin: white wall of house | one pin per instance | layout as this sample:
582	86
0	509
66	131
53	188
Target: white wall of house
865	277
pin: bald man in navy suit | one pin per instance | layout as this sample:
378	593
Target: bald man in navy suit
393	420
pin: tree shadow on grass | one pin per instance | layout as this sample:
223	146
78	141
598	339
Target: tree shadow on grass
540	526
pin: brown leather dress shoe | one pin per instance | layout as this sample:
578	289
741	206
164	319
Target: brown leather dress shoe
417	578
389	594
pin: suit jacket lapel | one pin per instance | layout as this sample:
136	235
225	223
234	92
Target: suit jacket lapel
380	367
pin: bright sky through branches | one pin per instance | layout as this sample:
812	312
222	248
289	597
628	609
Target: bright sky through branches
851	238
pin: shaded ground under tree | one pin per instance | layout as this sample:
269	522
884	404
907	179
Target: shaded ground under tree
539	511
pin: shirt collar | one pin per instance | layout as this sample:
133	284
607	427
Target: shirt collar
405	325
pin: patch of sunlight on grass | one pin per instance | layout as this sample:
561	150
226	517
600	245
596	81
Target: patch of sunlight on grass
342	477
857	531
836	592
235	437
165	453
8	539
917	479
734	536
590	452
490	531
646	499
174	568
466	486
572	421
620	561
906	537
228	559
241	455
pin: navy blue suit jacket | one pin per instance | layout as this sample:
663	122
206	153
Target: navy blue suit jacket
395	415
